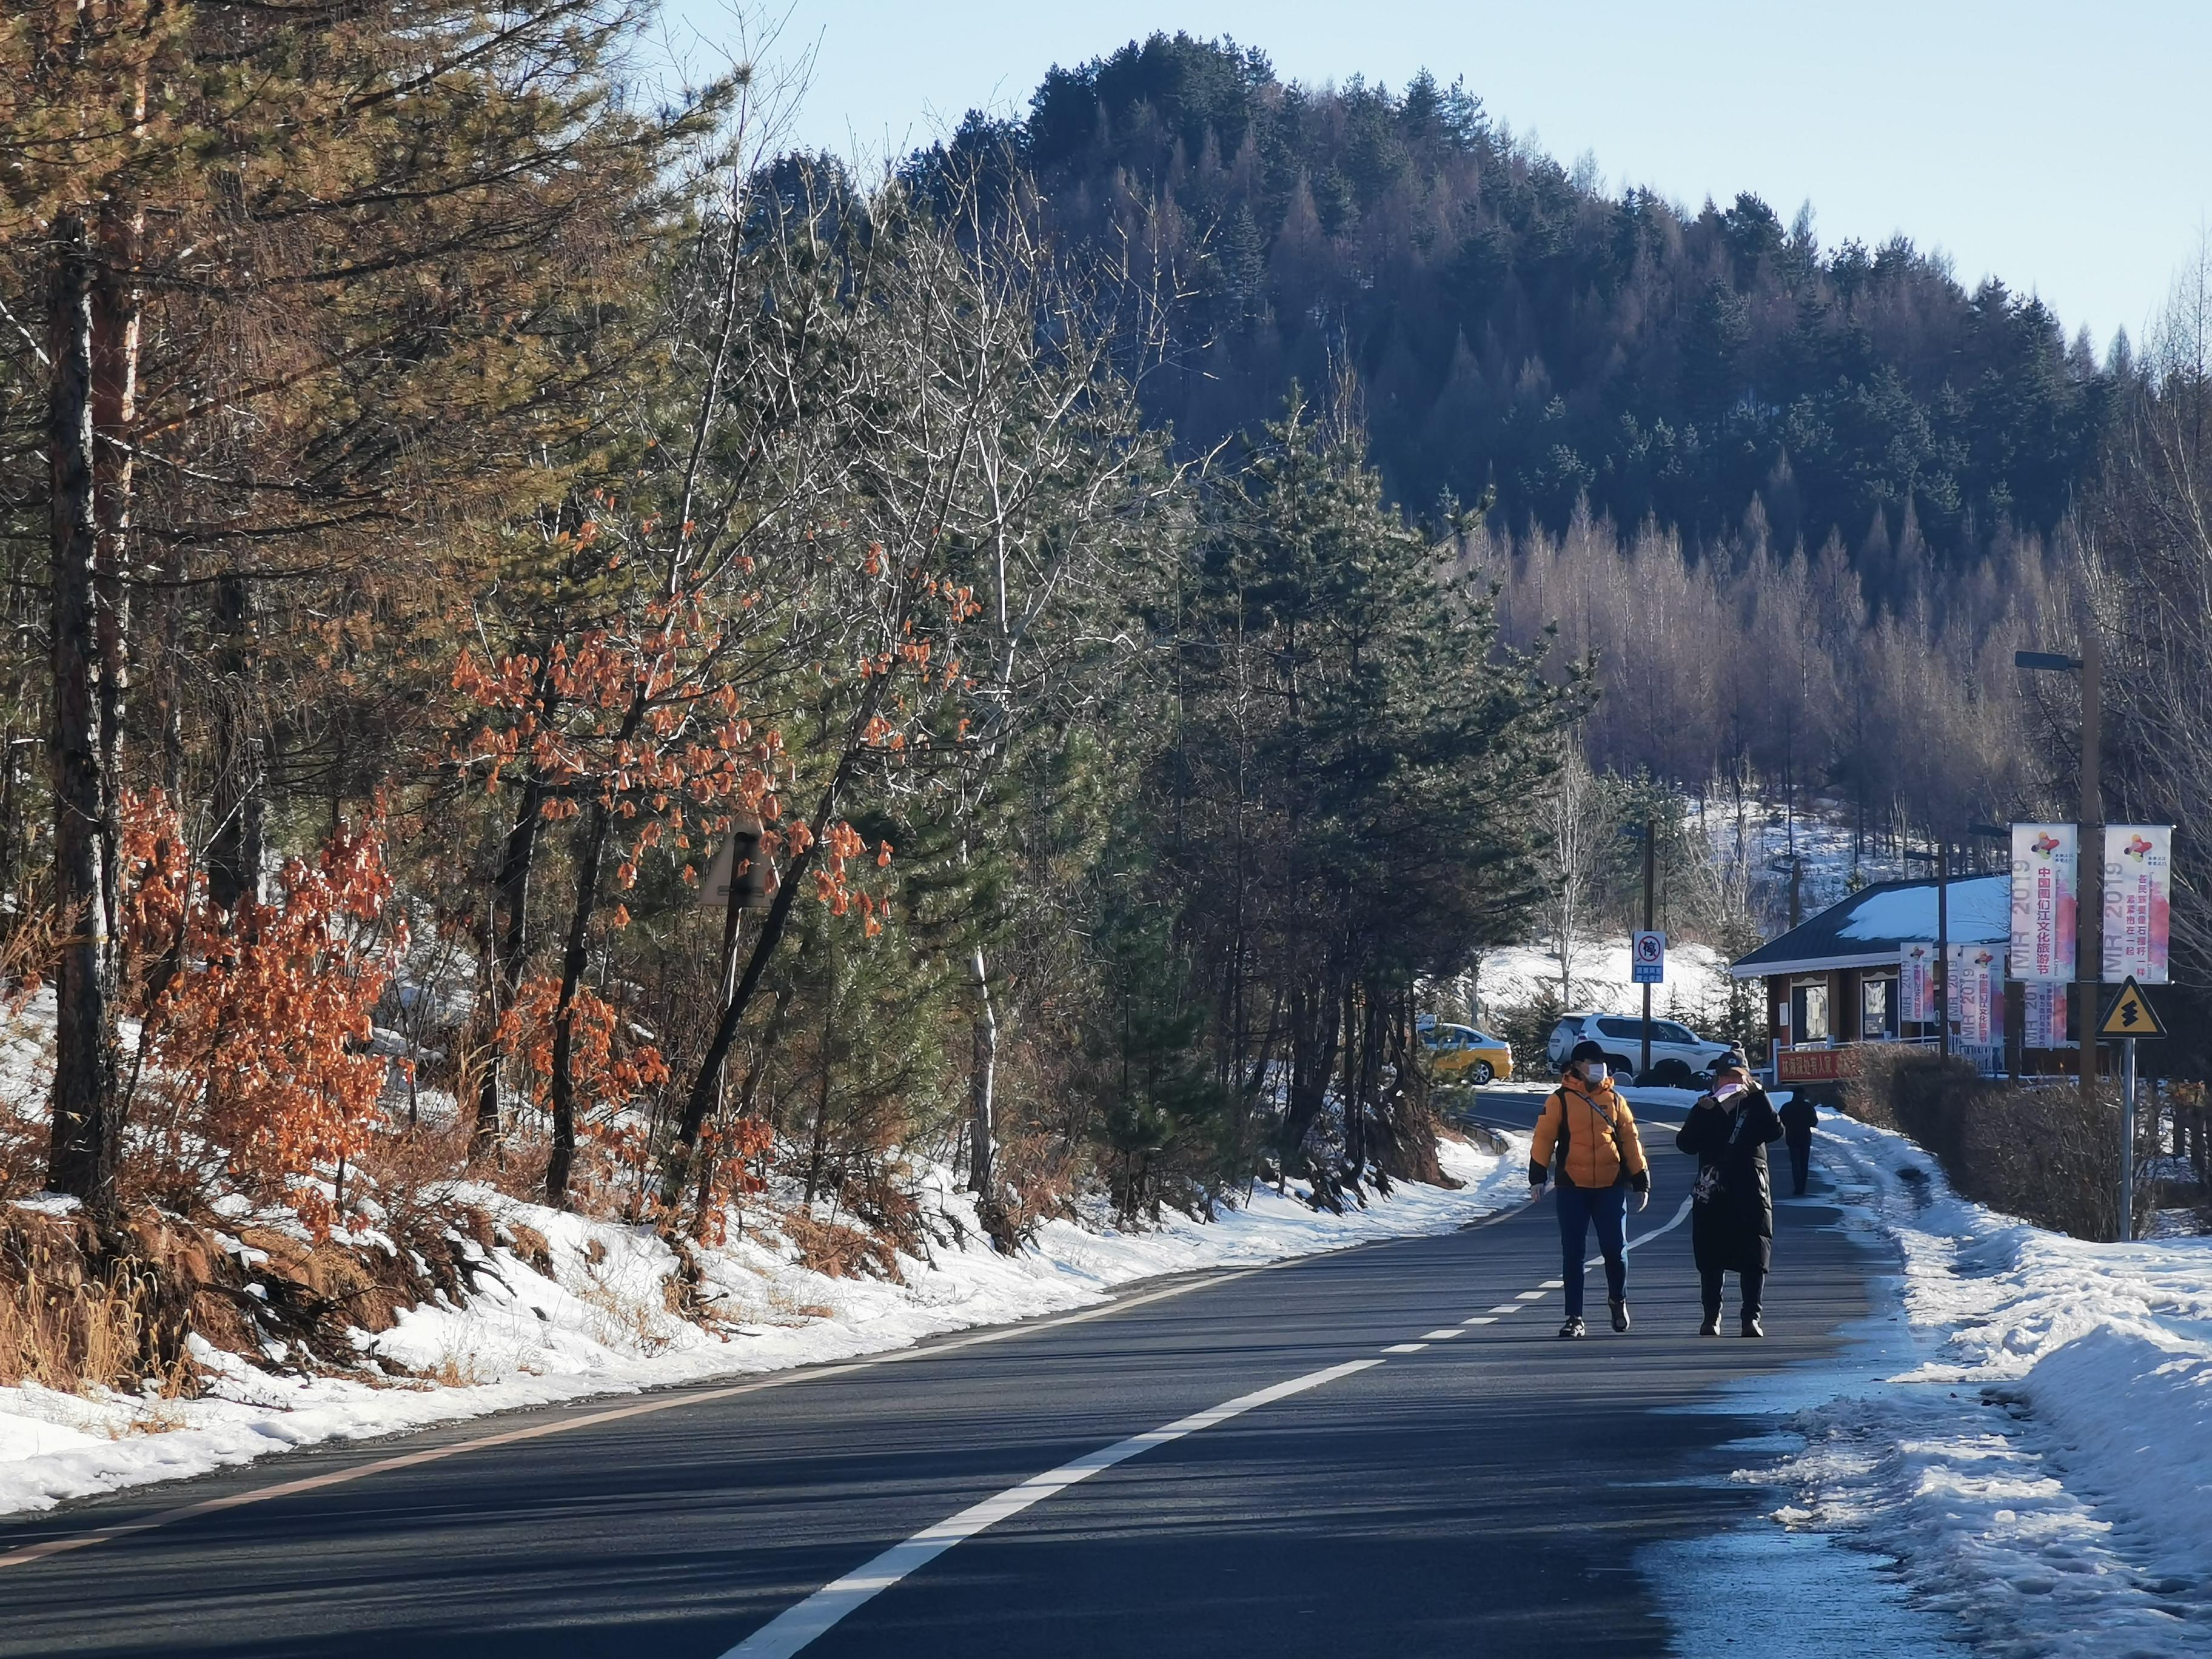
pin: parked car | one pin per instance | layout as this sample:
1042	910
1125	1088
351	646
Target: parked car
1460	1051
1622	1037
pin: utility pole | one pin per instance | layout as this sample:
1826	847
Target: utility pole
1943	951
2089	920
1644	1064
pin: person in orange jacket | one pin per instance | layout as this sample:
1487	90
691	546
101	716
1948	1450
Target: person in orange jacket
1600	1159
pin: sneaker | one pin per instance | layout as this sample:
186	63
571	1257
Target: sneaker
1752	1326
1621	1315
1573	1327
1712	1325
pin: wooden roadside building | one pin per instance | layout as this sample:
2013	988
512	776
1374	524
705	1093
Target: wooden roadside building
1833	984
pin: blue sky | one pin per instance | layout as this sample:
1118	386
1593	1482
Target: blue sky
2066	148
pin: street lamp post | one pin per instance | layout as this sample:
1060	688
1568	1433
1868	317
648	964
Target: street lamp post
2089	859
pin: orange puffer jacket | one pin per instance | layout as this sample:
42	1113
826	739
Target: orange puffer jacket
1594	1131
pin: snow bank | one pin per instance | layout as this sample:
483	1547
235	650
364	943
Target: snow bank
599	1322
2026	1426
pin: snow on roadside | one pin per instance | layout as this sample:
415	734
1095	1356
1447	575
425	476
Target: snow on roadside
599	1323
2026	1428
1514	974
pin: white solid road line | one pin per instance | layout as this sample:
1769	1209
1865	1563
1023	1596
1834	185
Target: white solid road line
795	1627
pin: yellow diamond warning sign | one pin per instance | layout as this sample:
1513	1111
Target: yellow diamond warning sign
2129	1015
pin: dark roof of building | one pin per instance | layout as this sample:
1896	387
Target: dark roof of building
1869	928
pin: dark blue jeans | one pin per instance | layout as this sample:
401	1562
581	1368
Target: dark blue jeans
1578	1207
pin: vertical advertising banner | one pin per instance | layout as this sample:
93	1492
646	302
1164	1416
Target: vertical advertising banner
1916	981
1973	972
2046	1015
2138	902
2044	885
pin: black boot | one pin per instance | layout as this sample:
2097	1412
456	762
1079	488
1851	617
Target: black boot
1712	1325
1620	1314
1751	1325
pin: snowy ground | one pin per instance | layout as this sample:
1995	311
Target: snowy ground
1600	973
2015	1453
601	1326
1763	839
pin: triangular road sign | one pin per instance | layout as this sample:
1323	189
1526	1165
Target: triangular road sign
2130	1014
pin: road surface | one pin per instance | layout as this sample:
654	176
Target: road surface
1425	1469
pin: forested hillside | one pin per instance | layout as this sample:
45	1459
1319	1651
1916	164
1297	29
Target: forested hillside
1514	326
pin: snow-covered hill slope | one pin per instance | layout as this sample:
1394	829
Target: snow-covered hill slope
1599	976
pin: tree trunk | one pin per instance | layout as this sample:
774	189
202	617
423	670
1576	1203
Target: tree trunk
591	854
982	1081
116	327
234	853
81	1155
510	945
706	1083
1350	1084
820	1153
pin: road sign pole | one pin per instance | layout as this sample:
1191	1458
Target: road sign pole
2089	858
1648	926
2127	1139
1943	953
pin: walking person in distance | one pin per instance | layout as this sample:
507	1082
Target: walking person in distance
1798	1116
1732	1209
1588	1125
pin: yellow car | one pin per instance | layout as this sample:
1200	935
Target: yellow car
1458	1052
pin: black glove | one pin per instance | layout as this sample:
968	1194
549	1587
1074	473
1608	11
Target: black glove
1538	1175
1641	1181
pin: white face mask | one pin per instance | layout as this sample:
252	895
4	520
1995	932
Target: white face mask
1594	1071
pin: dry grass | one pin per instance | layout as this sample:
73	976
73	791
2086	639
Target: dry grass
70	1333
625	1319
412	1171
838	1251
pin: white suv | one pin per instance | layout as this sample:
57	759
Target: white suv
1621	1036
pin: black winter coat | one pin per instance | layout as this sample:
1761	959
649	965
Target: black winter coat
1800	1117
1733	1231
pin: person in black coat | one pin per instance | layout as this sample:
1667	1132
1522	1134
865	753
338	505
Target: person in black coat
1732	1211
1798	1117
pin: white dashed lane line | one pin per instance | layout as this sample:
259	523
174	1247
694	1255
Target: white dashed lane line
799	1625
1443	1335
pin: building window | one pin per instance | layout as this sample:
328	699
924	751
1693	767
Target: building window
1808	1012
1877	1010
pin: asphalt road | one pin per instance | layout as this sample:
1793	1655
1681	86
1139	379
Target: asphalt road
1482	1492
